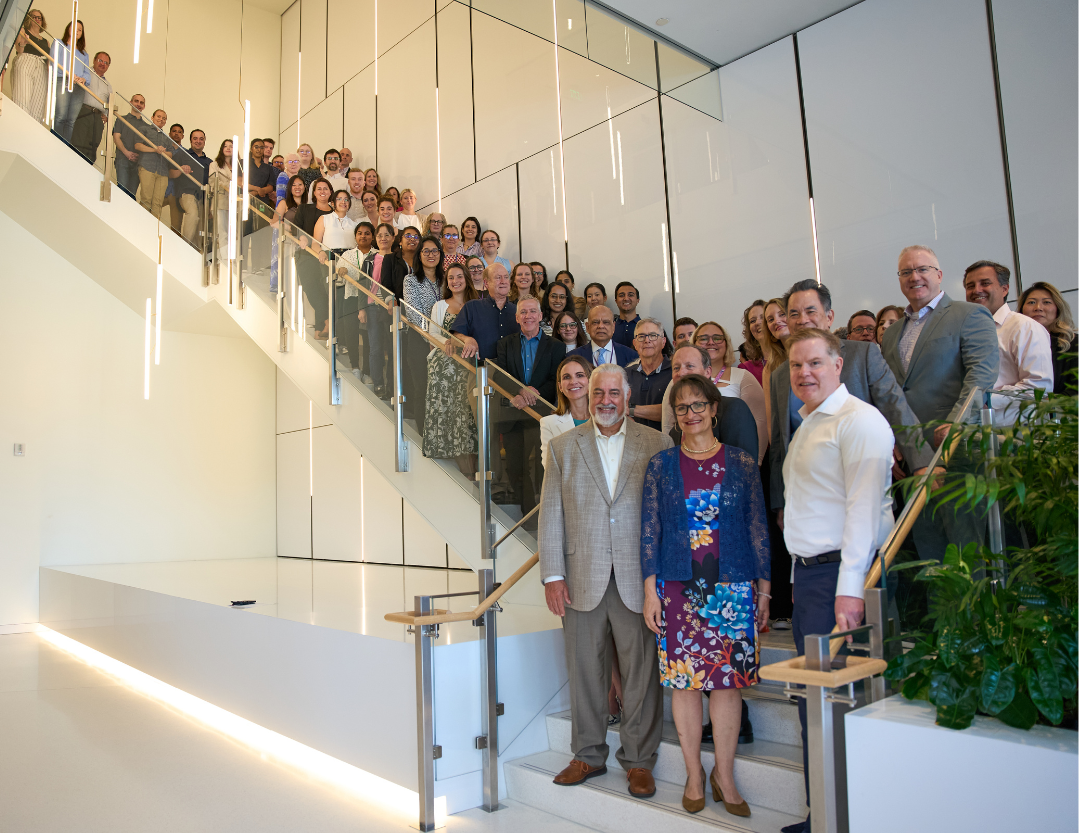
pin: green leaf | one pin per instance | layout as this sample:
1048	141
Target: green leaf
1046	698
917	687
1020	713
957	716
998	686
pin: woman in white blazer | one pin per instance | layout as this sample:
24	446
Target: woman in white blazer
572	381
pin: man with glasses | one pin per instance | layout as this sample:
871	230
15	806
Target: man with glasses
600	350
262	176
939	351
333	173
626	299
483	321
861	326
90	123
126	160
649	374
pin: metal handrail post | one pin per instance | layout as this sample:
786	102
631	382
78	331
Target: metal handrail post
425	718
240	197
876	602
402	445
490	708
483	476
995	530
106	184
215	259
283	329
206	208
331	333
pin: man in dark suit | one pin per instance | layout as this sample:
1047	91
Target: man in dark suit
601	349
531	357
939	351
864	373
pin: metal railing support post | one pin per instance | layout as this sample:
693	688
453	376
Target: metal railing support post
490	708
283	329
106	184
206	244
240	198
425	718
877	616
331	333
215	248
995	530
483	475
401	463
825	738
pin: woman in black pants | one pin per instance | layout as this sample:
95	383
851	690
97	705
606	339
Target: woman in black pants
311	274
423	288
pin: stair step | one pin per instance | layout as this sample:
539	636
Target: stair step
768	773
603	802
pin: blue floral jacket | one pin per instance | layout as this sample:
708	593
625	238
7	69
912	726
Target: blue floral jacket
742	525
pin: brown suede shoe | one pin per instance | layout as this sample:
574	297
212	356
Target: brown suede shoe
641	782
577	772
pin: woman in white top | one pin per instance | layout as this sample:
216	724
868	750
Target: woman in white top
731	380
572	379
222	165
407	216
336	232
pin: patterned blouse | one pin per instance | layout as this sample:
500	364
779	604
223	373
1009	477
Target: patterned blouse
420	296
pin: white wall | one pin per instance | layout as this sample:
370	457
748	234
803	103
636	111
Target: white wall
107	475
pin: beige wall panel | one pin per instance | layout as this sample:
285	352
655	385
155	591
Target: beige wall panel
321	128
351	28
336	531
360	118
290	56
313	53
455	99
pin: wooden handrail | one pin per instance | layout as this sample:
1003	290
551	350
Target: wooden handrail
436	617
49	57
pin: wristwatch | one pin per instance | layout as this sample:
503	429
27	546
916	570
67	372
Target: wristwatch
632	410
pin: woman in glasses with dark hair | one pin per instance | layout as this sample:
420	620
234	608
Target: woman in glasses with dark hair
567	329
556	300
449	239
474	265
423	288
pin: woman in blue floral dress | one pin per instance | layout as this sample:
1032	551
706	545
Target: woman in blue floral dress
705	558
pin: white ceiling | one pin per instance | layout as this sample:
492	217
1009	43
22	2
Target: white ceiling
723	30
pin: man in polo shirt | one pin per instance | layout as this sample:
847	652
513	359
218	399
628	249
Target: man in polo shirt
484	321
154	164
649	374
172	199
262	176
356	192
124	137
626	299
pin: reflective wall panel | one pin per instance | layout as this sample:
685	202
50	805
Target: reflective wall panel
397	19
455	99
737	189
493	201
1035	41
423	546
313	42
382	517
352	39
321	127
904	146
359	117
592	93
294	494
618	47
542	210
290	57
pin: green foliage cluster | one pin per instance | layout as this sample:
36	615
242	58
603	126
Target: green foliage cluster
1006	647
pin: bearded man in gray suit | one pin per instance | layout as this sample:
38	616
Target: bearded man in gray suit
590	562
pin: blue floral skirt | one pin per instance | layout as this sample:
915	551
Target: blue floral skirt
708	640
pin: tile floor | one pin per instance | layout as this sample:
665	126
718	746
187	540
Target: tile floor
83	752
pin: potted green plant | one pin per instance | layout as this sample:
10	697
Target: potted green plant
1002	641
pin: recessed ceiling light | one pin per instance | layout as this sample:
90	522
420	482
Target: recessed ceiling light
661	21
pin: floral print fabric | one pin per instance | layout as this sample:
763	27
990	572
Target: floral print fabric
708	636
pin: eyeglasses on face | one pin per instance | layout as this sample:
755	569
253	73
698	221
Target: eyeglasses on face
476	270
711	340
568	326
922	270
432	253
866	328
450	237
646	337
683	408
411	237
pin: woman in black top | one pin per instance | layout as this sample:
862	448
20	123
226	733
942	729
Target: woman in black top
312	274
1044	303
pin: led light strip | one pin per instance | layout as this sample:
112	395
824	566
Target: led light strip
622	198
149	16
138	28
73	45
232	203
157	308
146	354
813	229
558	98
247	155
663	245
359	784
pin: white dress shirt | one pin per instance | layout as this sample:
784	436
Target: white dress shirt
1027	362
611	449
609	353
836	474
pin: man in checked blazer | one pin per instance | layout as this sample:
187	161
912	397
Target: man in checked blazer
938	352
590	562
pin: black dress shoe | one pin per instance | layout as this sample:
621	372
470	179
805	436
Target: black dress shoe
706	734
746	731
798	826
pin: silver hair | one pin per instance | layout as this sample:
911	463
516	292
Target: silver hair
611	368
918	247
657	322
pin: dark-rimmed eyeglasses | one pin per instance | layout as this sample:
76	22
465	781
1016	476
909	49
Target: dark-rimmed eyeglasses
568	326
866	328
683	408
646	337
711	340
922	270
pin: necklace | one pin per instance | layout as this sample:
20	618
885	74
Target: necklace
700	463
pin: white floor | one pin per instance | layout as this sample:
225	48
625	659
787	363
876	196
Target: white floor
82	752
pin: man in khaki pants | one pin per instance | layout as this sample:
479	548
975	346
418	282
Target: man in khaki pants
154	167
590	562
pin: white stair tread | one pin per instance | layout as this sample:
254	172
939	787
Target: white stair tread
603	802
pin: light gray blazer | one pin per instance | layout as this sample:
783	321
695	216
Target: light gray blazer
957	350
867	378
583	530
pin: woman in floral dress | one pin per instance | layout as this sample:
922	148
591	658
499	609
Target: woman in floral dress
705	558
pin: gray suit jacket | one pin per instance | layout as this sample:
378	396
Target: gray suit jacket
957	350
584	531
867	378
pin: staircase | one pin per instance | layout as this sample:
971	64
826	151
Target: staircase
768	771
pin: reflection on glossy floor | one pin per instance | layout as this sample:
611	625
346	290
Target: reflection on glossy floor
82	752
348	596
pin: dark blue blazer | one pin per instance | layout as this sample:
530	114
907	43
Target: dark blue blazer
743	527
623	355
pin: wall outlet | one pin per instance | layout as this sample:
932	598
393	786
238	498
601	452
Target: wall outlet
20	450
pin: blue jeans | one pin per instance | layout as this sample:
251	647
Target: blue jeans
127	174
378	334
68	106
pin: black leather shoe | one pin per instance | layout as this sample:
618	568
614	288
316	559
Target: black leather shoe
797	826
746	731
706	734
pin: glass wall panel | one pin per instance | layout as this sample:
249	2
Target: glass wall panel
897	156
616	224
455	99
592	94
702	94
290	57
740	211
541	207
535	17
516	103
397	18
493	201
1034	42
313	53
360	117
678	68
349	54
407	145
321	128
617	46
573	25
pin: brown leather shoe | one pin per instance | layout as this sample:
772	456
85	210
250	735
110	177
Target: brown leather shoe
577	772
641	782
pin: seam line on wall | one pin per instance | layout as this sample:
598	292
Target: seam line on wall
667	200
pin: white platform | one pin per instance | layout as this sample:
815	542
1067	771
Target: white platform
314	660
989	777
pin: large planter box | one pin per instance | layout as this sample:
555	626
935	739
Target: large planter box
905	773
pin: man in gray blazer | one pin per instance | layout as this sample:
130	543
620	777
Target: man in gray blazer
939	351
865	374
590	562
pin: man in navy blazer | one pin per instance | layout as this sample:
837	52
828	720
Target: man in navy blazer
601	349
530	357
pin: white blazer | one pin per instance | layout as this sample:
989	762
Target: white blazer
551	427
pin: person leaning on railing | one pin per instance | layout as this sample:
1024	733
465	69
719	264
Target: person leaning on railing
93	115
68	104
423	288
154	169
30	84
126	159
309	272
379	265
188	189
349	302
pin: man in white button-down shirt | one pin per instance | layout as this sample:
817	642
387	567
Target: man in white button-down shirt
836	512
